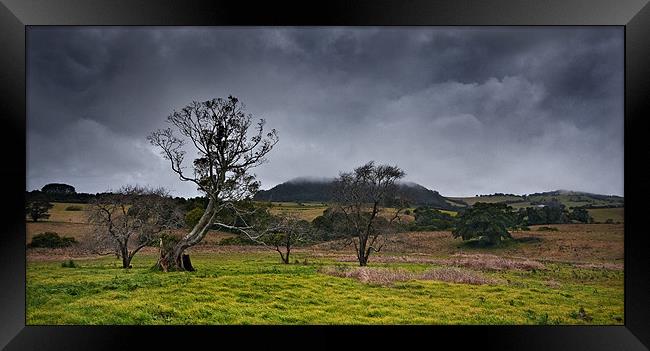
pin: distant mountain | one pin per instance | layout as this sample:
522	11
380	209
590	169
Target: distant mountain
298	190
320	190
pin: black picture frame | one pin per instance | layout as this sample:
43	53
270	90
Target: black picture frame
634	15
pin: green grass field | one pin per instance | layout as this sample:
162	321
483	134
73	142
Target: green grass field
257	289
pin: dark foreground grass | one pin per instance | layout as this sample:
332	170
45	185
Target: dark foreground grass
257	289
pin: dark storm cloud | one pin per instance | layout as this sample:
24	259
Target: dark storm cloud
462	110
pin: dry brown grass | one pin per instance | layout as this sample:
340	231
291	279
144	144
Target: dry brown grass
573	243
553	284
58	213
456	275
391	259
491	262
386	276
609	266
79	231
307	213
475	261
370	275
585	245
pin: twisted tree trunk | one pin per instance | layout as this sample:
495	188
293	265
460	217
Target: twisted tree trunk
171	259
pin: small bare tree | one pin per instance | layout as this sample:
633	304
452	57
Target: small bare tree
218	130
127	220
286	232
362	196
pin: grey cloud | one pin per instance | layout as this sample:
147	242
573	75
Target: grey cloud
463	110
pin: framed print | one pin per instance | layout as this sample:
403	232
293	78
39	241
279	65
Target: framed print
368	171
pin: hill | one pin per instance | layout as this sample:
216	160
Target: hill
570	199
312	190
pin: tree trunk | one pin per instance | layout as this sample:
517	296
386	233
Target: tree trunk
126	259
284	259
288	245
187	264
172	260
363	259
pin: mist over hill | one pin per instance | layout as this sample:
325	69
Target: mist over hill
308	189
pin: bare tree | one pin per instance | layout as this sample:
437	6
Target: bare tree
218	131
131	218
285	232
362	196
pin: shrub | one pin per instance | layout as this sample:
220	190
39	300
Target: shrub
551	213
69	264
74	208
580	215
485	221
430	219
51	240
192	217
547	229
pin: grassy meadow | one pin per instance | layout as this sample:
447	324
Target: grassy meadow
255	288
571	275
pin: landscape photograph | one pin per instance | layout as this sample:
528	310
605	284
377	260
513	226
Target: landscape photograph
421	175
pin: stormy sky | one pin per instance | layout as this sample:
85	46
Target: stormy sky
463	110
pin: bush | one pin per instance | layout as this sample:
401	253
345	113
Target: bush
580	215
192	217
51	240
74	208
430	219
547	229
486	221
69	264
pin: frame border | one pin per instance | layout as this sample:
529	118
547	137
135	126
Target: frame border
16	15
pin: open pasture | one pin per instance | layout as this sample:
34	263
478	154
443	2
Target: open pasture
418	278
